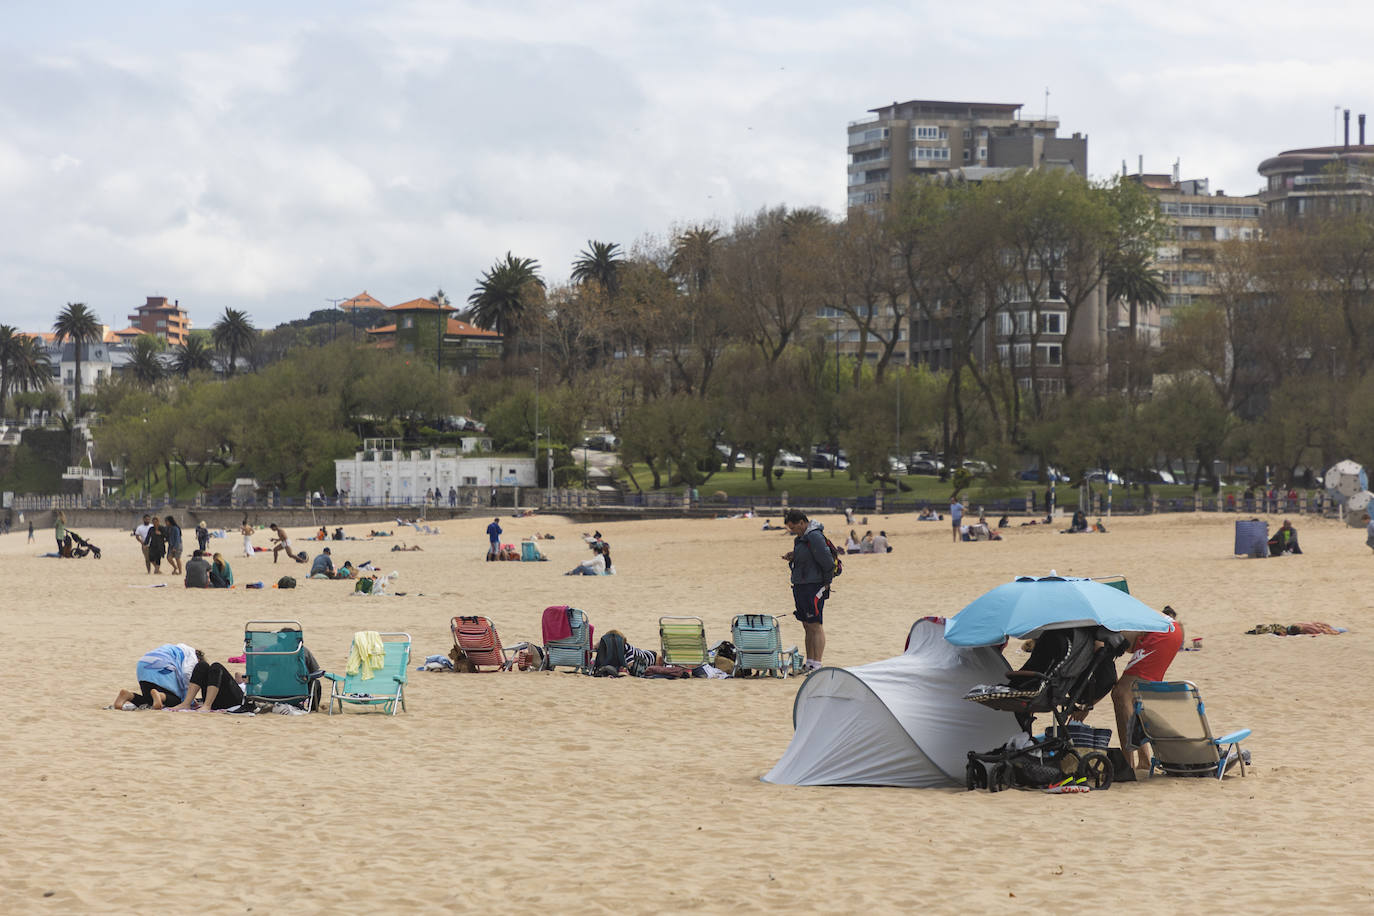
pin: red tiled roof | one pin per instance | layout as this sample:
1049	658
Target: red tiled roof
458	328
361	301
384	329
420	305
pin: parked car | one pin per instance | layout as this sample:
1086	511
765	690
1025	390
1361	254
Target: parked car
926	466
897	466
601	442
790	460
977	467
827	461
1097	475
724	450
1054	474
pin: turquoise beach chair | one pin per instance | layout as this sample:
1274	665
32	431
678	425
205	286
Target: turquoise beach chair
1171	718
758	645
277	670
385	689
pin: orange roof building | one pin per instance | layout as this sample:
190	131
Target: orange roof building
417	330
170	322
361	301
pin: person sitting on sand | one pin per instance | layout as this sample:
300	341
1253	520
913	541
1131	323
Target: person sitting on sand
1004	522
1079	523
596	566
1285	540
220	689
197	571
322	535
163	675
851	544
402	547
347	571
880	544
323	567
221	574
866	543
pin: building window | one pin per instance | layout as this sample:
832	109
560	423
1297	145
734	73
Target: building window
982	152
1022	352
1048	354
937	153
966	157
1052	322
1003	325
868	136
1004	353
469	481
968	133
408	321
925	132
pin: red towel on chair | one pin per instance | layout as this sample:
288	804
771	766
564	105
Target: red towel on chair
556	624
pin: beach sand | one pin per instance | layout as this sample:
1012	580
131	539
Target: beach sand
568	793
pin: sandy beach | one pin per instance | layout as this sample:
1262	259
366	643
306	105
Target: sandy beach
567	793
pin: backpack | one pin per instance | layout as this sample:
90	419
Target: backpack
835	554
610	653
286	582
363	586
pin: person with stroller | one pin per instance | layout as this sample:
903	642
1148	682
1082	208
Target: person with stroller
1151	655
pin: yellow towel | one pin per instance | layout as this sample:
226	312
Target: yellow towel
367	653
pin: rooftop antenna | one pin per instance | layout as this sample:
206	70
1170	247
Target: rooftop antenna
1335	124
1047	103
1177	162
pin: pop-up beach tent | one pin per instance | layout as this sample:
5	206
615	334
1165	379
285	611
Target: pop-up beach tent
899	722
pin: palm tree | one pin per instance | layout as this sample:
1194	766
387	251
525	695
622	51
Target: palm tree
233	334
192	356
501	296
9	346
1131	277
145	365
693	252
29	368
600	262
79	325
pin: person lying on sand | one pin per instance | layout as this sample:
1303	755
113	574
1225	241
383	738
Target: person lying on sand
402	546
1311	628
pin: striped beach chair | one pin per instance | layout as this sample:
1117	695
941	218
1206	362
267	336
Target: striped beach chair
479	641
573	651
683	640
758	645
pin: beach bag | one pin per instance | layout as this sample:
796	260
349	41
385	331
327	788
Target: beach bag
835	554
286	582
363	585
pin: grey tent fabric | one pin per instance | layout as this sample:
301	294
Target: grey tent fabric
898	722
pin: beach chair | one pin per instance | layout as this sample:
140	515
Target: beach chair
277	669
573	651
529	552
683	640
1171	718
1117	582
385	689
758	645
480	642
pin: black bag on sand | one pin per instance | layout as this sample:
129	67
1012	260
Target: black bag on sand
286	582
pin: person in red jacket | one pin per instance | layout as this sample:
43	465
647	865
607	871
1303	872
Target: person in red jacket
1151	655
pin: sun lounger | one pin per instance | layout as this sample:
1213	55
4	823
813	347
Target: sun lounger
480	642
1171	718
385	688
683	640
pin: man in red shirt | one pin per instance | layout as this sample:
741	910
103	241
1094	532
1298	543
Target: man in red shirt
1151	655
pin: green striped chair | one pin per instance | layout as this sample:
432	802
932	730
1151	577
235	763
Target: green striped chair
683	640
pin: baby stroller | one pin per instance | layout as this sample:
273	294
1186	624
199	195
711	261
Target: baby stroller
1077	672
82	548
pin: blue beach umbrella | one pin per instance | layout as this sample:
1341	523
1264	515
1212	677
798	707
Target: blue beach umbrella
1025	607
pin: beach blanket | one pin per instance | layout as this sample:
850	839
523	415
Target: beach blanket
366	654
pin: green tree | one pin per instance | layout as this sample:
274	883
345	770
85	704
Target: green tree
233	335
503	294
77	324
145	364
599	263
192	356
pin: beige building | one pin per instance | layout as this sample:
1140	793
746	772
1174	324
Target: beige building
927	137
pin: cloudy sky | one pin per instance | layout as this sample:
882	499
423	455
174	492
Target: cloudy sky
271	156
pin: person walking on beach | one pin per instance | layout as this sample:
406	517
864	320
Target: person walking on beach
956	515
30	531
59	529
280	542
174	544
812	569
141	535
246	530
203	537
494	539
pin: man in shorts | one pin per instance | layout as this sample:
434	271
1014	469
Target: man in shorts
1151	655
956	516
812	569
141	535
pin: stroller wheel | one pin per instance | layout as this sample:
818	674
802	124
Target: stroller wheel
1097	770
975	777
1000	778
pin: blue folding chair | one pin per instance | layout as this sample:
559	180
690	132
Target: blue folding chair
573	651
384	689
1171	718
758	645
278	664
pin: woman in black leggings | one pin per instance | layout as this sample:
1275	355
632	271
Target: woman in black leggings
219	686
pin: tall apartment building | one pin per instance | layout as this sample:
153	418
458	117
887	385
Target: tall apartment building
1198	221
170	322
1321	178
928	137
